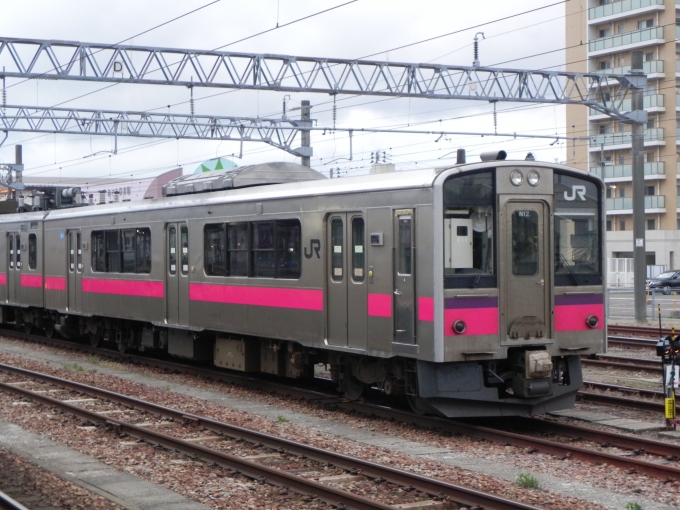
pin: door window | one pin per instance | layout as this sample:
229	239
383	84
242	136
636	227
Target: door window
172	250
524	243
18	258
184	239
404	253
11	251
337	263
79	254
358	255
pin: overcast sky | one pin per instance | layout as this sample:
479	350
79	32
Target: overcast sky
355	30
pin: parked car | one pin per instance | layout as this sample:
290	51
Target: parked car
668	282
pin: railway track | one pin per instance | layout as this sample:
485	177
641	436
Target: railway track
190	430
7	503
638	331
629	364
602	395
652	468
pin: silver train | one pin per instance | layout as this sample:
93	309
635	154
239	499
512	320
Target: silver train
471	290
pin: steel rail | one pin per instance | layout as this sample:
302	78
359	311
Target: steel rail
637	330
624	363
603	398
430	486
429	422
7	503
625	389
626	341
666	449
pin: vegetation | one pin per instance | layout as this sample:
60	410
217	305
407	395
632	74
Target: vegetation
282	419
634	506
527	481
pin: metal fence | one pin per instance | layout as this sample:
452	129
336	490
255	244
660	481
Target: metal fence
621	304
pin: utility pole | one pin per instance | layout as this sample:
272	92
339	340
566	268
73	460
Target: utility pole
305	134
639	117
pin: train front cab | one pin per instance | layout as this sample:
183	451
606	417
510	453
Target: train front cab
523	294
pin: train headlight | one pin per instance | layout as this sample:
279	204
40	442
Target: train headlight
592	321
516	177
458	327
533	177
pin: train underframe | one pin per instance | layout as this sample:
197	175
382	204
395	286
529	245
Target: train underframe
503	387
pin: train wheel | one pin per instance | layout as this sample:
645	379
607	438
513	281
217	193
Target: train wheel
49	328
95	339
418	405
354	389
28	327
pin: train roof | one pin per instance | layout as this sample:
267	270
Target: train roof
411	179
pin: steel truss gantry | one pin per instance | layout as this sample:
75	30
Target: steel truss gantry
113	63
279	133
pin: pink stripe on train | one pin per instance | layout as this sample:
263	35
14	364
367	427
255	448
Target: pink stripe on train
573	317
380	305
301	299
124	287
55	283
31	280
478	321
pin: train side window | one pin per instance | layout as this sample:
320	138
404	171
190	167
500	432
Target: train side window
98	241
79	254
32	251
238	246
143	250
129	250
337	258
113	264
469	231
263	249
358	253
184	241
288	244
172	250
215	249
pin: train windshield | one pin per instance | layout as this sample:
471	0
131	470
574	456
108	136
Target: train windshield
469	231
577	231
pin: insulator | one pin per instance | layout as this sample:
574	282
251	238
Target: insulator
476	46
335	112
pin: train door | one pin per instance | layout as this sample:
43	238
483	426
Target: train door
13	267
347	287
404	276
74	268
526	276
177	274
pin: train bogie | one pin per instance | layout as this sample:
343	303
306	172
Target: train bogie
470	290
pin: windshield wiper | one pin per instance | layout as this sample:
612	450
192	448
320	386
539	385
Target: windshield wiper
571	273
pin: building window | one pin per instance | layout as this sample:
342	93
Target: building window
604	32
651	224
677	225
609	193
648	57
622	159
605	64
603	129
649	191
609	225
622	225
622	193
620	29
646	23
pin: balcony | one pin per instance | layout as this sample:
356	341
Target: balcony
620	42
653	204
653	170
623	7
653	67
652	103
654	136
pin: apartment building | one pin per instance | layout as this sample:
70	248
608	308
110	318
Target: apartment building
601	34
